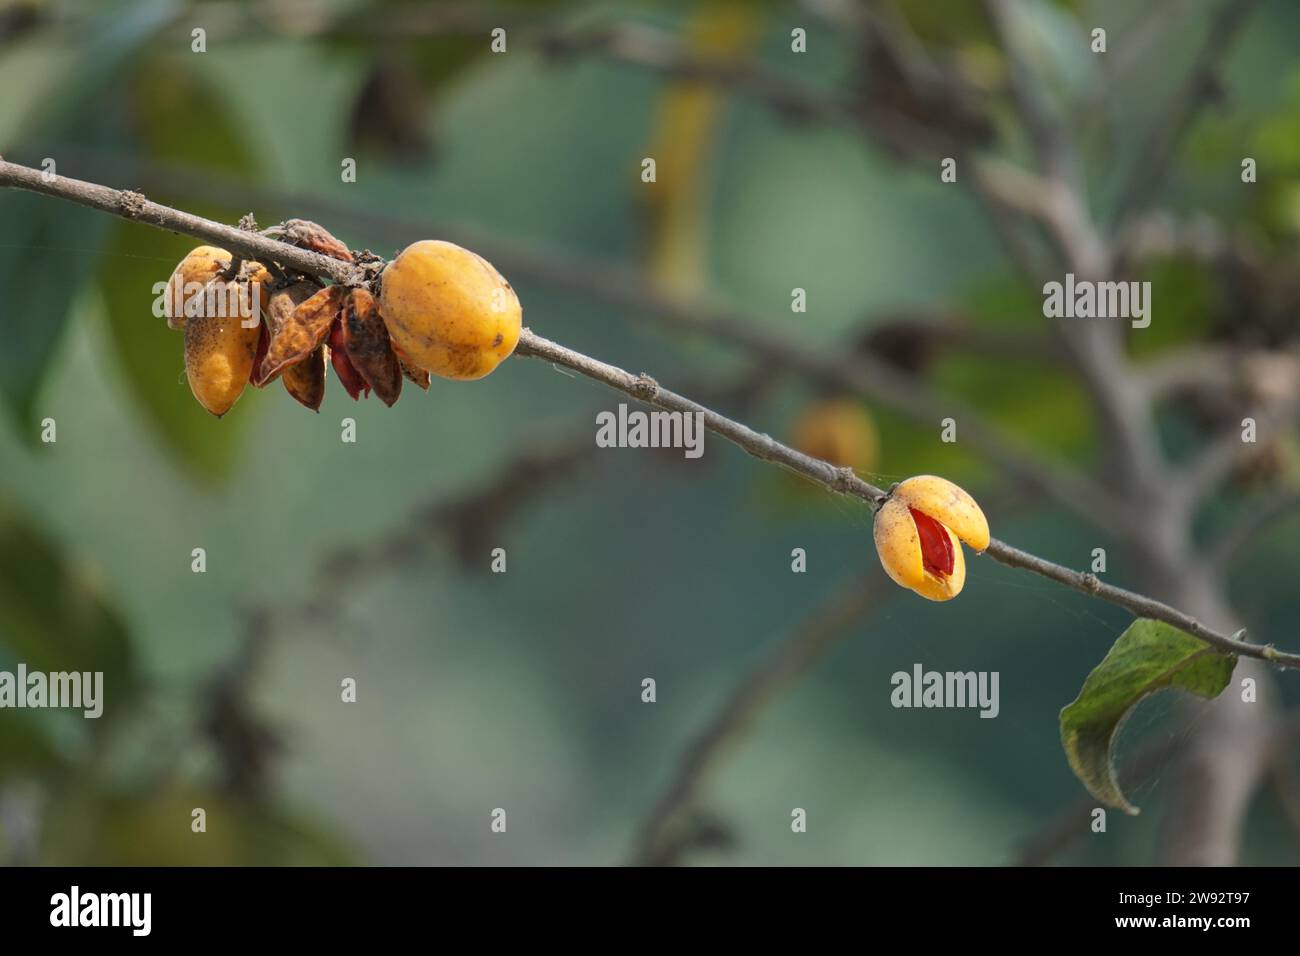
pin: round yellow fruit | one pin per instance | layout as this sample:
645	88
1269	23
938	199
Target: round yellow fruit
448	311
190	277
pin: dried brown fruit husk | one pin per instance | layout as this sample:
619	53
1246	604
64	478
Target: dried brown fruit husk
309	235
283	302
366	341
303	332
305	381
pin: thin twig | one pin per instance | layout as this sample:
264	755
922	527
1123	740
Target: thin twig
133	206
1046	132
864	375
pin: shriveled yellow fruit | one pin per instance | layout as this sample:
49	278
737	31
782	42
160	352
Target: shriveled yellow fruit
919	532
237	298
191	275
838	430
219	349
448	311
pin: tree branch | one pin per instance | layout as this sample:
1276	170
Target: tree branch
848	370
133	206
1046	133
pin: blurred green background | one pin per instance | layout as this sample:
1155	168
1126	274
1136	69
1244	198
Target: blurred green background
522	690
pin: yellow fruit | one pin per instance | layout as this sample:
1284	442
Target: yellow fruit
191	275
919	532
837	430
219	349
448	311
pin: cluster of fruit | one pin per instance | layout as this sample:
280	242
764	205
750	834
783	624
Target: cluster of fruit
441	310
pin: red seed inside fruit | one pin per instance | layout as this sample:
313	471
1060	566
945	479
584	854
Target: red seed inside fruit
936	544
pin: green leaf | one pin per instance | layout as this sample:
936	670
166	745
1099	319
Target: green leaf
51	617
47	248
1148	657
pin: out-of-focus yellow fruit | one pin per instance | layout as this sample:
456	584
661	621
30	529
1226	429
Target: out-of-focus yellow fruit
190	277
448	311
838	430
919	532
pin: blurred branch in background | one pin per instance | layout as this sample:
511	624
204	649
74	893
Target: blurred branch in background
468	521
1201	87
245	745
671	830
676	824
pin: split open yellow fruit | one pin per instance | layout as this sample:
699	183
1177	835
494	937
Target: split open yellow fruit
919	531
